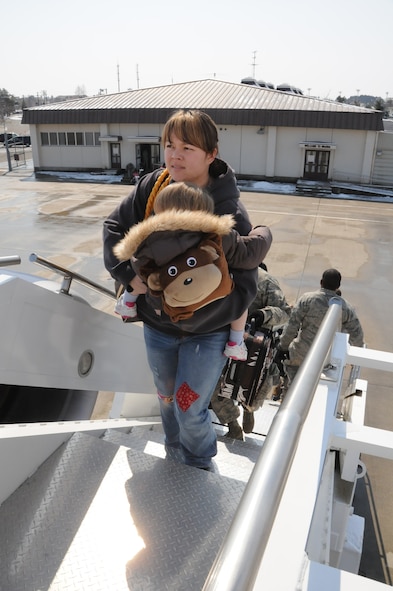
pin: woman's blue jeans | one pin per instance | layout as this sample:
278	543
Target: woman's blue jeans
186	370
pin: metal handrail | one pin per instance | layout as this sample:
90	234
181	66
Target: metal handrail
236	565
68	276
10	260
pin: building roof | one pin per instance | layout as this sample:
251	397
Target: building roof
227	103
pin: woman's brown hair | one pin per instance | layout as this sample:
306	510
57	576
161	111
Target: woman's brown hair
192	127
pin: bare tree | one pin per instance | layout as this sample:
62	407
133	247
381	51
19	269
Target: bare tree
7	103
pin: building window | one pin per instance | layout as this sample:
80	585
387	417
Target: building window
53	138
89	138
44	138
70	138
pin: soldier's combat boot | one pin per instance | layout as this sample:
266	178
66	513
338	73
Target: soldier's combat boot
235	431
248	421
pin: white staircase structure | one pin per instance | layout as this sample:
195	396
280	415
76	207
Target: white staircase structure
95	504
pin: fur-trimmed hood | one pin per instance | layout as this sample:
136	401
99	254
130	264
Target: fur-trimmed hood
172	221
179	255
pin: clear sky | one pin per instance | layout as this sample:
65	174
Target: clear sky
324	48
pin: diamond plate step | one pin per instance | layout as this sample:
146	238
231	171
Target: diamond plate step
234	459
98	515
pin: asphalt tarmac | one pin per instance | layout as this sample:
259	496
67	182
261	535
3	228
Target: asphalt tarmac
63	222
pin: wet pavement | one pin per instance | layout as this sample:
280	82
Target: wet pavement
58	221
63	222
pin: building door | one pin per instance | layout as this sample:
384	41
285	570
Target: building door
115	156
316	165
147	157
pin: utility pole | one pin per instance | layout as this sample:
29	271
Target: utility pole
7	147
137	76
3	113
118	78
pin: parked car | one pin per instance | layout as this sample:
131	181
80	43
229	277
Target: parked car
8	135
19	140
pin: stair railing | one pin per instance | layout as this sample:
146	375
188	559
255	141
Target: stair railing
237	563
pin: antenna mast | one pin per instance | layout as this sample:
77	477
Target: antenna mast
254	56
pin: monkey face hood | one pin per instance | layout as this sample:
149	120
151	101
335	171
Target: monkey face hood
179	255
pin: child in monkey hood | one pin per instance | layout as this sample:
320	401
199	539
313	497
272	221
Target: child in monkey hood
183	252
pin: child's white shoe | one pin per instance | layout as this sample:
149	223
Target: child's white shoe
235	351
126	309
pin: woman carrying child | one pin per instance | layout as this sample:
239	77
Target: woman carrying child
186	356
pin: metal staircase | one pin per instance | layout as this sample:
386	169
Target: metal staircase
95	504
112	513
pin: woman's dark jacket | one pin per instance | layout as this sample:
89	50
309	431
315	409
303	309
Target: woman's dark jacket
225	193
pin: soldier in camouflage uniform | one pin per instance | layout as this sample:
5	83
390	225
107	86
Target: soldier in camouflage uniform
272	310
306	318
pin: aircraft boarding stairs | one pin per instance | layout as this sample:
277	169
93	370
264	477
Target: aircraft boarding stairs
95	504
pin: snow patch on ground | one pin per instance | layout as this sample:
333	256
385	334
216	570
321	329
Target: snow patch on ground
80	177
244	185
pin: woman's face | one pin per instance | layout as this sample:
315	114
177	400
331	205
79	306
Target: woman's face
187	163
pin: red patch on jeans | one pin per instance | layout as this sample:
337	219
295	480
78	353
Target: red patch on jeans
185	397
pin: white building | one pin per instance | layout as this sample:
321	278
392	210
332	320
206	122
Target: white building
263	133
